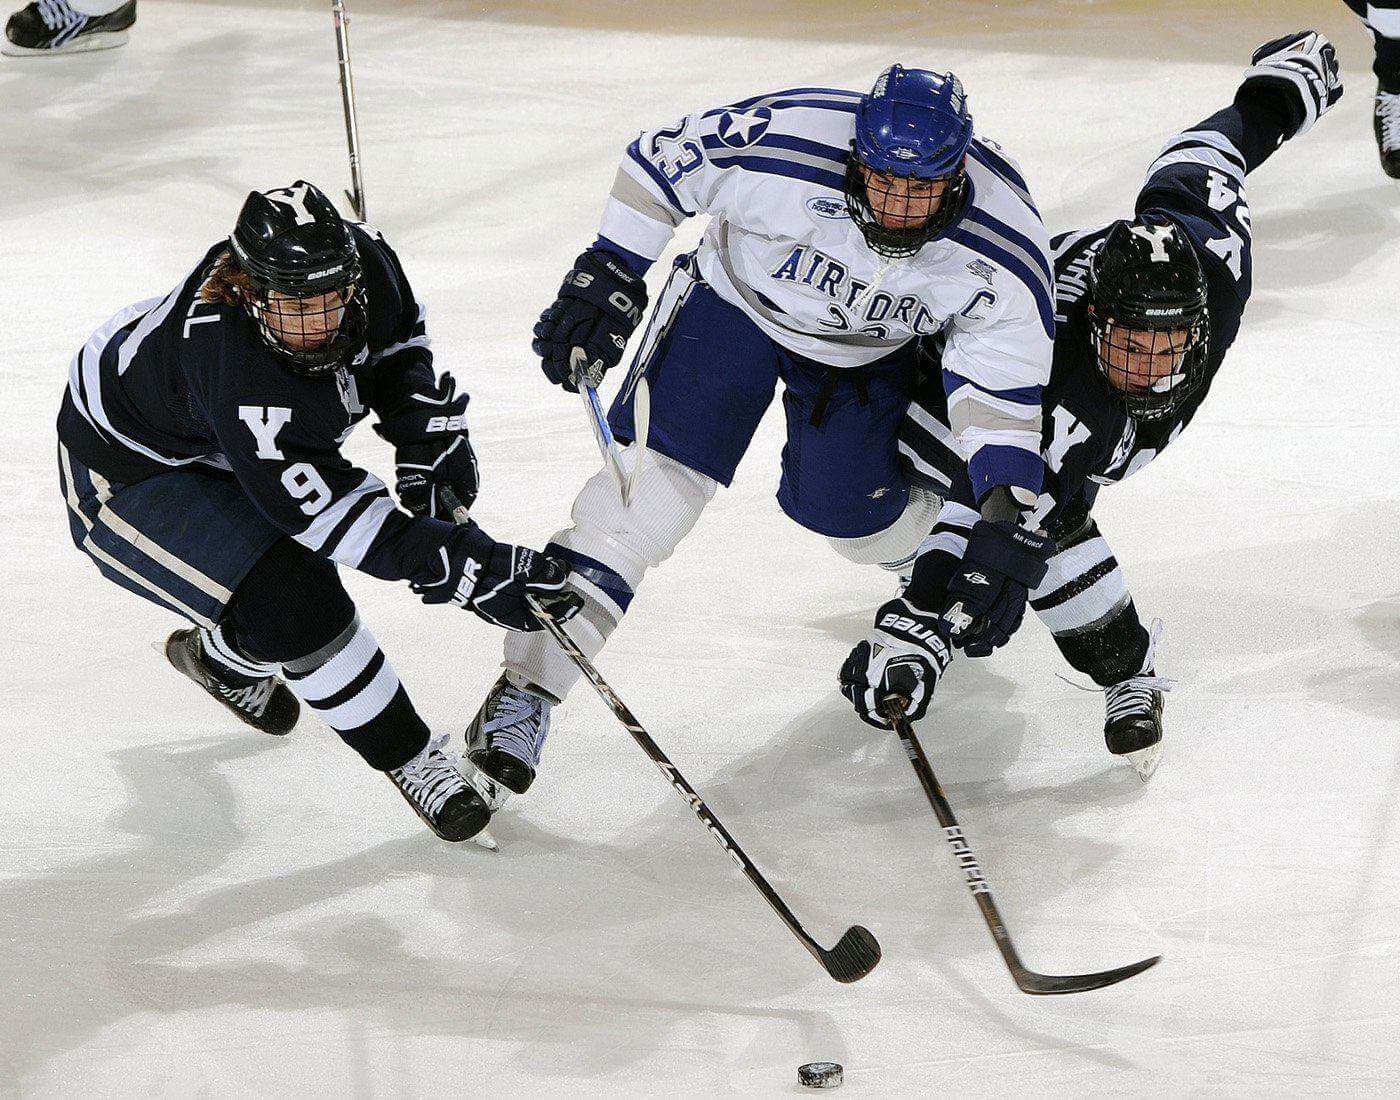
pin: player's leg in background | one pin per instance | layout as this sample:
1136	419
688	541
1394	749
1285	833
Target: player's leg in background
47	28
712	374
1383	21
192	542
1085	603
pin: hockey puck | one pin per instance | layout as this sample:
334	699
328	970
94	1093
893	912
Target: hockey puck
820	1075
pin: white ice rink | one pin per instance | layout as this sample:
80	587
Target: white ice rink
189	909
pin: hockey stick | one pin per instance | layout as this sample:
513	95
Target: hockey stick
587	382
857	951
1028	981
641	421
347	102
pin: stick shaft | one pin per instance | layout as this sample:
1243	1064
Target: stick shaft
663	763
347	102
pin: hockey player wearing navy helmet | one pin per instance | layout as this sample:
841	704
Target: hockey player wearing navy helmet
844	225
200	458
906	182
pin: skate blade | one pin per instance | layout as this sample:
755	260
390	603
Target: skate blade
486	840
102	40
1145	761
494	794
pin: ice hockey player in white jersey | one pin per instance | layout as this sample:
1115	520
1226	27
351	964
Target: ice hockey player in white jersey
1147	308
48	28
199	454
844	227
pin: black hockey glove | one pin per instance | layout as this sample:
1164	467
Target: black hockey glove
431	449
905	655
1301	70
599	306
492	578
987	594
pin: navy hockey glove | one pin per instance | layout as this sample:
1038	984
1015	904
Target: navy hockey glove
492	578
905	655
431	449
987	594
599	306
1302	68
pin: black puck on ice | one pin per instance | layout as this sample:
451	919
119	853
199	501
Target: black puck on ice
820	1075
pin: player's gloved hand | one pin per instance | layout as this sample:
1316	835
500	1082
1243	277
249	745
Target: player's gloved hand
599	306
1302	68
492	579
431	449
905	655
987	594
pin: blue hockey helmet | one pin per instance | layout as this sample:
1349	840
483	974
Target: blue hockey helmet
914	125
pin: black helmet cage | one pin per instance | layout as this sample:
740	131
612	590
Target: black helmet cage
1155	397
293	245
900	243
1146	279
283	316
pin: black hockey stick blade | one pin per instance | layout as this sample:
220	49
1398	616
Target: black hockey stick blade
855	955
1028	981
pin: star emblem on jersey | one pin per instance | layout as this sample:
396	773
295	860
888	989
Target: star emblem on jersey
740	128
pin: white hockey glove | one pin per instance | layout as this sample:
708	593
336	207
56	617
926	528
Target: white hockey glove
1304	66
905	655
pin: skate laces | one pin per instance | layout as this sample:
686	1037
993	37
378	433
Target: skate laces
252	699
519	725
431	777
1388	114
1134	695
57	14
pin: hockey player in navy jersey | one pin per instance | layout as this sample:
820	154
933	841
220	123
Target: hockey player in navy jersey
199	453
843	227
1147	308
1382	18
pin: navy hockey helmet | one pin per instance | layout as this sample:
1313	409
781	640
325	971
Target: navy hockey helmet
1148	322
294	247
914	127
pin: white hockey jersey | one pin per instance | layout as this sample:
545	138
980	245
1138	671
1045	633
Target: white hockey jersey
782	248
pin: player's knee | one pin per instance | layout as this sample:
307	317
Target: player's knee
895	546
668	500
290	604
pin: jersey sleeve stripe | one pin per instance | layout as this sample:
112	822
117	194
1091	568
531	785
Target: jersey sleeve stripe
793	168
634	151
1024	395
1213	139
320	529
976	239
352	549
630	193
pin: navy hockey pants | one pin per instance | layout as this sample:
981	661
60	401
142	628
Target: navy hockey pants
183	539
713	374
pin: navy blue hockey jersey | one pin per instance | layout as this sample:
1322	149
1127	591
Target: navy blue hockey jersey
1088	438
176	381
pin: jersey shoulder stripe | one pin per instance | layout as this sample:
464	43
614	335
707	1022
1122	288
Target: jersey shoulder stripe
788	167
979	241
1005	169
1035	254
832	154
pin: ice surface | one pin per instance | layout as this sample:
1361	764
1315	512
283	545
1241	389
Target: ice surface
186	908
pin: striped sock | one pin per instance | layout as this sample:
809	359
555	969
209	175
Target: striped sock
352	687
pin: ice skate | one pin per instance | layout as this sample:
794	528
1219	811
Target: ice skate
505	740
266	704
47	28
438	793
